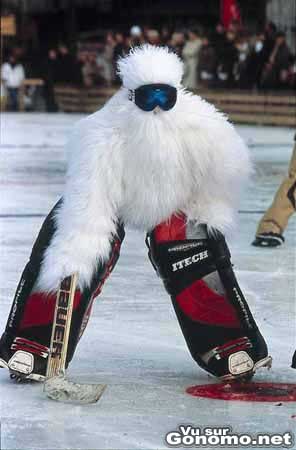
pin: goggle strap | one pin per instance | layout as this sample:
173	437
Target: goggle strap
131	95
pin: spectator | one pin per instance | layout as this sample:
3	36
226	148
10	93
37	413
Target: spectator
223	59
177	42
98	62
65	65
190	55
49	77
91	71
207	64
218	38
250	76
2	96
243	48
119	50
269	41
12	77
228	58
276	69
108	58
153	37
235	28
165	35
136	36
291	78
81	61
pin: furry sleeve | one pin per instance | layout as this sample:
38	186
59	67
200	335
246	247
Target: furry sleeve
87	216
228	169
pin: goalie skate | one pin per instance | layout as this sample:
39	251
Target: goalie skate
25	359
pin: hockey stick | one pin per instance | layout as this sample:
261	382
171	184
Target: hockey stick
56	386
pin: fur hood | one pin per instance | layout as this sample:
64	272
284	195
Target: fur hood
142	167
150	64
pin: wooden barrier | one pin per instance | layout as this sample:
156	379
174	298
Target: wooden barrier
84	100
256	108
241	107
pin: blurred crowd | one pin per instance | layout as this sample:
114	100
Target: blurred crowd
227	59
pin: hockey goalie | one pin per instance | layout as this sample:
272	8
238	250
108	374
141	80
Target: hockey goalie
160	159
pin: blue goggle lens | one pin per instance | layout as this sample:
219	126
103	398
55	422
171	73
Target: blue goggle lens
149	96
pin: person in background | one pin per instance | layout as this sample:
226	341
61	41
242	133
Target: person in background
165	35
12	77
153	37
108	58
190	56
251	75
118	51
207	64
235	28
177	42
65	64
243	48
49	77
3	96
275	71
291	76
268	42
136	36
274	222
97	63
227	60
119	48
81	60
218	38
91	72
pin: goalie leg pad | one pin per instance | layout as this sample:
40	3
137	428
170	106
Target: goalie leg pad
215	319
24	346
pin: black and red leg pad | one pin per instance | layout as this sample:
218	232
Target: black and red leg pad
30	319
209	321
38	314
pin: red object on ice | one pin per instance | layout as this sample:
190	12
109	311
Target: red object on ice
246	392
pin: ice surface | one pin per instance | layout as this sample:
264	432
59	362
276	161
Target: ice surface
133	342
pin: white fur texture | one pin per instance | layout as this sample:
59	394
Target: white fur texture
149	64
142	167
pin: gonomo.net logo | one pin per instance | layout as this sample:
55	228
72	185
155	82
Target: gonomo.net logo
195	437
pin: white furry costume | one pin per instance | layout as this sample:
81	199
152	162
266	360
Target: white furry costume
142	167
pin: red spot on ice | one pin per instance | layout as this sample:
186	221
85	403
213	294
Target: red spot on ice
246	392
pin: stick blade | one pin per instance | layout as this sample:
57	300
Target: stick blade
62	390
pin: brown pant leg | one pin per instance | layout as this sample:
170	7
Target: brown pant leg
284	203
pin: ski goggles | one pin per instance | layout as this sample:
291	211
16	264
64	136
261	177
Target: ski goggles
149	96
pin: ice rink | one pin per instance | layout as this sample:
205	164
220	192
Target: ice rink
133	341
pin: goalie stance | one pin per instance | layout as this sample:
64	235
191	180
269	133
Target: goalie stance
161	159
